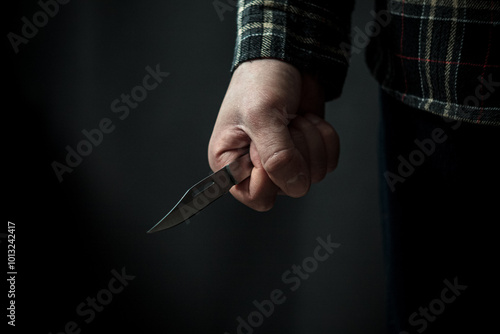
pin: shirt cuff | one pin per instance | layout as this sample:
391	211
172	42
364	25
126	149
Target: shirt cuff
314	36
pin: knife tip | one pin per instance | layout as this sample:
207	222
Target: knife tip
158	227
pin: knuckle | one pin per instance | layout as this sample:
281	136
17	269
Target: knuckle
279	160
297	135
330	133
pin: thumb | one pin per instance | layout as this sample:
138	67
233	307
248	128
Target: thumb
279	157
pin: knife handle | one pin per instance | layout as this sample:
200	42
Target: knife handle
240	168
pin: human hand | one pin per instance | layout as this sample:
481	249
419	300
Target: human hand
276	112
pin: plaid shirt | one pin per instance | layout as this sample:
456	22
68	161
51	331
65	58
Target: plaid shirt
442	56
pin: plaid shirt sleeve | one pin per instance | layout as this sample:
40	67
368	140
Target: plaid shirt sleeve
442	56
307	34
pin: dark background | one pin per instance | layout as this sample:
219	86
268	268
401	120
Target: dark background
201	276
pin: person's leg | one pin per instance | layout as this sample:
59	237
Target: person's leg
440	197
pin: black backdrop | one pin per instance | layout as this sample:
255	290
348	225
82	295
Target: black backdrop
75	237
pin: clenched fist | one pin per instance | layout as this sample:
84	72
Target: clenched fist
276	112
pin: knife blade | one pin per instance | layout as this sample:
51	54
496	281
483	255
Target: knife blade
205	192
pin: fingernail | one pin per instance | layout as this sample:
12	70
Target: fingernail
297	185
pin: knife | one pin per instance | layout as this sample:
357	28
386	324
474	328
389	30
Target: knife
206	192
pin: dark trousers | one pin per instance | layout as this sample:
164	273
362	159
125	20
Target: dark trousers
440	201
